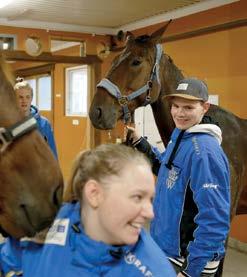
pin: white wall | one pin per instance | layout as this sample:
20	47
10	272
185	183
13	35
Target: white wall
145	125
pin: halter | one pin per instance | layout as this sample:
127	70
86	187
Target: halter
10	134
124	99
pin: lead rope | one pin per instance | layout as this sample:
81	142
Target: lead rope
174	150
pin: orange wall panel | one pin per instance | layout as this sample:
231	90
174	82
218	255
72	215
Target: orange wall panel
219	59
23	33
211	17
70	138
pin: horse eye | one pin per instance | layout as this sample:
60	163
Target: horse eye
136	62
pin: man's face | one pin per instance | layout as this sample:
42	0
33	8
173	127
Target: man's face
187	113
24	99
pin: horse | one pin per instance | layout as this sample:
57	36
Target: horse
142	74
30	177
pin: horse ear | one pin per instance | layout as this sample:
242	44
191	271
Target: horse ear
120	35
157	35
129	36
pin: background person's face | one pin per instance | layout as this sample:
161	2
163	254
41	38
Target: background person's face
186	113
126	205
24	99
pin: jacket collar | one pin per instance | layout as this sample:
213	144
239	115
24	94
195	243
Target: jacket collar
34	112
98	253
210	129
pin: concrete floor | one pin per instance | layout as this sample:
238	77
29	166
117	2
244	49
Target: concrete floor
235	264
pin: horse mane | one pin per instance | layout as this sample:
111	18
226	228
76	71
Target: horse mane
171	73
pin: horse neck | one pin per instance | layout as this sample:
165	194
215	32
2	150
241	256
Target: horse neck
163	120
231	125
170	75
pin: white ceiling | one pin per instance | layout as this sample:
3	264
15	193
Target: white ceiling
99	16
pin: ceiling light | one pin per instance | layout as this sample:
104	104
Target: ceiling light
4	3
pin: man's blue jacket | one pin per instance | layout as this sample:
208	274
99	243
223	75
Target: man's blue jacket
192	201
45	129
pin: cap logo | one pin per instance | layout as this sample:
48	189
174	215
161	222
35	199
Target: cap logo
182	86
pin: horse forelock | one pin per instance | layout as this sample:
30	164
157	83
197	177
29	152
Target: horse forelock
139	44
122	57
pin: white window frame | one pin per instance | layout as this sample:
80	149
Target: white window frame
36	93
68	111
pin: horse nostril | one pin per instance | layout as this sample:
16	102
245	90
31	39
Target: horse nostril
57	196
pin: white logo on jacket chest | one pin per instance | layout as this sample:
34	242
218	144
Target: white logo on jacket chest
210	186
132	259
56	234
172	178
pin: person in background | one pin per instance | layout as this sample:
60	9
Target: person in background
192	201
102	234
24	95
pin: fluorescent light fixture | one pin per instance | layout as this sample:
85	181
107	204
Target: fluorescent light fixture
4	3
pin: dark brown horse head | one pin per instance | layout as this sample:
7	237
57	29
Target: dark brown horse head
130	83
30	179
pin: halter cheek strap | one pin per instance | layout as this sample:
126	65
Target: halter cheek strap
124	99
8	135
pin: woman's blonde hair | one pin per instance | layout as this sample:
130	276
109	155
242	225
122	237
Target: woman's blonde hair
104	161
21	83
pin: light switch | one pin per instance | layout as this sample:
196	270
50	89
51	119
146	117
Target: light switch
75	122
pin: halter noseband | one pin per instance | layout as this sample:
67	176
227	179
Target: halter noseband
8	135
124	99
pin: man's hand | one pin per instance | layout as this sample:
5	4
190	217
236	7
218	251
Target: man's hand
132	134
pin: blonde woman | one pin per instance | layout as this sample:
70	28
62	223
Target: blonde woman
102	234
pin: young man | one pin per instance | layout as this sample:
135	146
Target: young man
24	94
192	201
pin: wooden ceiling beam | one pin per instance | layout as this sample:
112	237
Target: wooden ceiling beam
19	55
206	30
